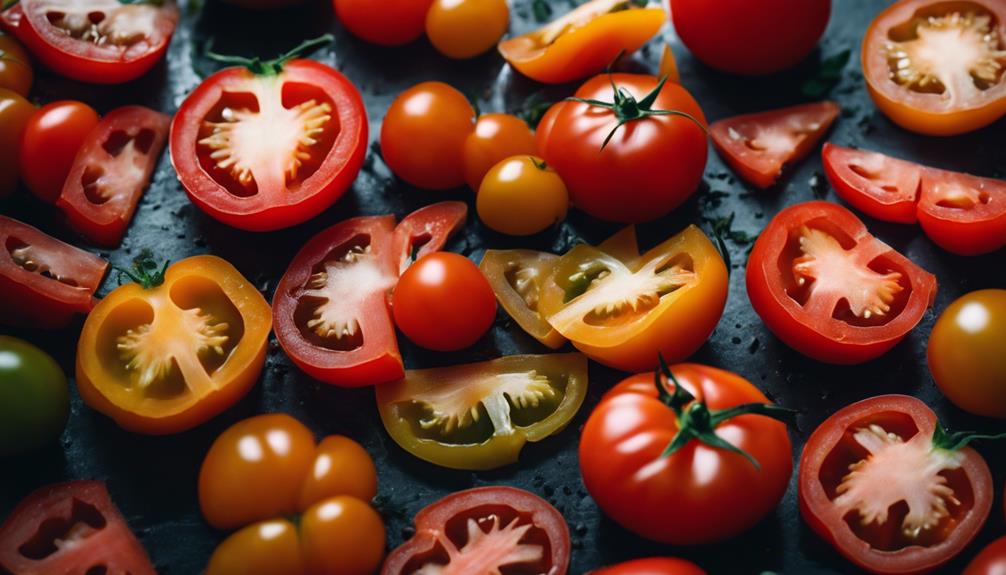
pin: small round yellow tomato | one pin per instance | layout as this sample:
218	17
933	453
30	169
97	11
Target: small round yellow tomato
265	548
462	29
966	352
521	196
342	536
496	138
341	466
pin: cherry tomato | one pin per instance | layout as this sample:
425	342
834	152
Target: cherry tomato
462	29
991	561
443	302
522	196
751	38
15	68
394	23
342	535
15	112
966	352
496	138
424	133
49	145
34	400
654	566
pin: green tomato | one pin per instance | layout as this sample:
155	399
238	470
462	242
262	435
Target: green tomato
34	400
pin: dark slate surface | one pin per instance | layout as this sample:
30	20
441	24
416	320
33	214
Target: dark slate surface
153	480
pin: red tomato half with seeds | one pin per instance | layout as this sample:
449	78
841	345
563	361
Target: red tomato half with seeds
894	493
98	41
481	531
829	289
265	151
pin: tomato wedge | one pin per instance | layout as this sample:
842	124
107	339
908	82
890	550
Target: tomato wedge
98	41
331	305
110	172
884	484
830	290
622	311
517	278
479	416
758	146
70	528
935	67
167	353
44	282
269	148
584	41
482	530
880	186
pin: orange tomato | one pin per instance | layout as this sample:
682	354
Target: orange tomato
463	29
522	196
15	112
15	68
496	138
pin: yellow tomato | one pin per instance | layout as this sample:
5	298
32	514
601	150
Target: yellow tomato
463	29
496	138
521	196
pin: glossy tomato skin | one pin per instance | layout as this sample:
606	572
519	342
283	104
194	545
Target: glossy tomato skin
880	186
397	22
34	398
15	112
265	548
750	38
991	561
468	28
342	535
443	302
652	566
51	139
16	74
634	162
522	196
496	137
974	222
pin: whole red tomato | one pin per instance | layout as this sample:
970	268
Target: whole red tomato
991	561
652	566
699	459
49	145
630	155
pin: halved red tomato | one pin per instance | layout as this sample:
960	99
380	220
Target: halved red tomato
829	289
331	307
72	528
268	147
758	146
890	489
482	530
44	282
111	171
99	41
880	186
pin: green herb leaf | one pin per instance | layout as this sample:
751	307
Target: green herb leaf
533	108
827	76
541	9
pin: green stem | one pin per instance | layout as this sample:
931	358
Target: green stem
955	440
144	272
269	67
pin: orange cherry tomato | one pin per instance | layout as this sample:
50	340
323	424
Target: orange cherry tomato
424	133
342	536
396	22
496	138
49	144
463	29
15	112
15	68
522	196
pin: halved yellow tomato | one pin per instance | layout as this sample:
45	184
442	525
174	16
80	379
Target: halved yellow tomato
516	277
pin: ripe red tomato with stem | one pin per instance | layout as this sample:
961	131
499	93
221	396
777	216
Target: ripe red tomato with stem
49	144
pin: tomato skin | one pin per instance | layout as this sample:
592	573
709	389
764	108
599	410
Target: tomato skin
265	548
468	28
977	229
441	118
991	560
16	74
503	268
15	112
874	195
398	22
34	398
342	535
635	159
51	139
443	302
736	43
522	196
653	566
496	138
720	505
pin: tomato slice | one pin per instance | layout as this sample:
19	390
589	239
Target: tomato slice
111	171
482	530
265	152
331	307
758	146
71	528
879	483
963	214
623	312
479	416
98	41
44	282
165	358
880	186
517	277
829	289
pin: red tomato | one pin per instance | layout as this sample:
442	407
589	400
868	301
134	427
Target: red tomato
97	41
645	451
758	146
885	485
51	139
110	172
44	282
991	561
397	22
655	566
265	151
573	137
481	530
880	186
72	528
330	309
443	302
752	38
829	289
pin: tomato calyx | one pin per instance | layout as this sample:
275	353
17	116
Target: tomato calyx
697	422
946	440
272	67
145	271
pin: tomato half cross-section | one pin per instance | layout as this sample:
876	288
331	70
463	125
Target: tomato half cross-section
331	305
72	528
517	278
174	348
890	489
480	415
758	146
271	144
483	530
111	171
44	282
880	186
98	41
830	290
